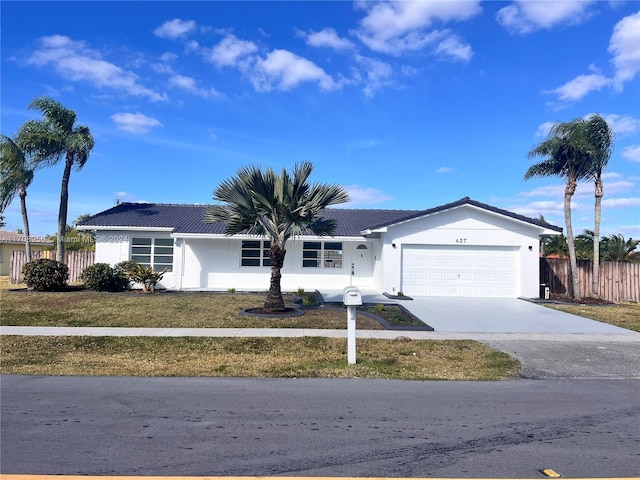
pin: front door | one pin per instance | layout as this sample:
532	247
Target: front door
361	261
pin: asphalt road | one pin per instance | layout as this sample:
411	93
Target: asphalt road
209	426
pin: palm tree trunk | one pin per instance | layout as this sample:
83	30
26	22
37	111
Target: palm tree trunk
62	213
599	193
25	219
573	264
274	297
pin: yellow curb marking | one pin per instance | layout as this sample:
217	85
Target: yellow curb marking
131	477
550	473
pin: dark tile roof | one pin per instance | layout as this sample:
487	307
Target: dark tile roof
484	206
190	218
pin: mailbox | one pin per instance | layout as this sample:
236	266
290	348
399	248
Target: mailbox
351	296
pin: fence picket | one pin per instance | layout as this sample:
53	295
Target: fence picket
619	281
76	261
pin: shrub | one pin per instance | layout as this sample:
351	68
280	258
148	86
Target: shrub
143	275
45	275
101	277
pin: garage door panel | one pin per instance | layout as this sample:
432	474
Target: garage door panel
459	271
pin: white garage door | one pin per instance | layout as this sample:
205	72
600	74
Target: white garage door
459	271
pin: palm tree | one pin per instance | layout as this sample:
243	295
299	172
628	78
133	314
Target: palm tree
554	245
584	245
564	159
598	139
280	207
48	141
616	249
15	176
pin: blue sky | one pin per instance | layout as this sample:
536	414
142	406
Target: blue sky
406	104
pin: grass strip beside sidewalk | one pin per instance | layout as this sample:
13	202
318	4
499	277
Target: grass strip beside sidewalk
307	357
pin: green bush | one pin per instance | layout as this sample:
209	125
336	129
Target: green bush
102	278
45	275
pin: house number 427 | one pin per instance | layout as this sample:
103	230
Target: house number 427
461	240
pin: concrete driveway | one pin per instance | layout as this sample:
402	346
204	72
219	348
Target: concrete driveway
500	315
488	315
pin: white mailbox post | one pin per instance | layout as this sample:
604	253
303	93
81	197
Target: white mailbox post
351	297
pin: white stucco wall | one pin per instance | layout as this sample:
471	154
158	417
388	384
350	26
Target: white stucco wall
215	264
114	246
464	226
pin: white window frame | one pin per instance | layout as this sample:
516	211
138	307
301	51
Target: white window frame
328	255
263	247
157	253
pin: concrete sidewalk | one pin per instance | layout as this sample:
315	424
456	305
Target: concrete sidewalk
626	336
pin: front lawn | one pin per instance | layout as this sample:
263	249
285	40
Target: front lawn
624	315
242	357
162	310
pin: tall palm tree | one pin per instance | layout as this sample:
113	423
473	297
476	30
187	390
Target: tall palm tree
598	138
49	140
563	158
15	176
279	207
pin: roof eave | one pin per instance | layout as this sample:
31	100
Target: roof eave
123	227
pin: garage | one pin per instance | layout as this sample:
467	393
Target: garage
460	271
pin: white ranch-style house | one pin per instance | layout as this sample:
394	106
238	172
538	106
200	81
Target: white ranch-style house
464	248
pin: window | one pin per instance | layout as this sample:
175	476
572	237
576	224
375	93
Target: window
322	254
255	253
156	253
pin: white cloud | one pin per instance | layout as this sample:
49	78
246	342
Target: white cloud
454	48
409	71
326	38
622	124
397	27
126	197
377	74
445	170
526	16
284	70
75	61
544	129
134	122
621	202
545	191
175	28
632	153
547	208
231	51
624	46
188	84
580	86
360	195
168	57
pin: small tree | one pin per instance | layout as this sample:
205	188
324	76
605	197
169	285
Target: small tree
144	275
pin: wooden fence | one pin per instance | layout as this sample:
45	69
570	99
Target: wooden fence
619	281
76	261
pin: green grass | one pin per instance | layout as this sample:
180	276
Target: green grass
624	315
162	310
311	357
307	357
